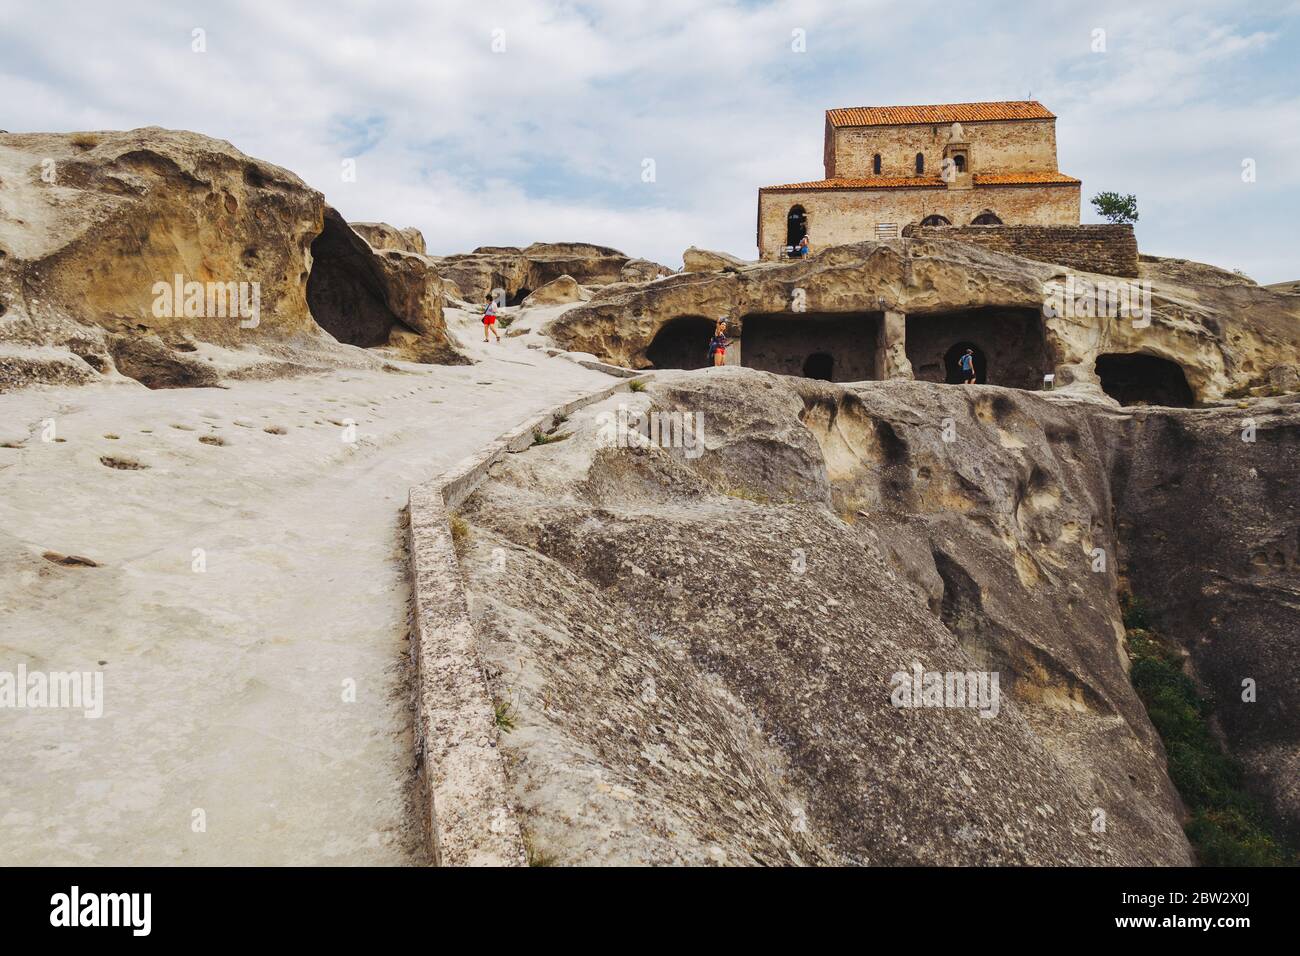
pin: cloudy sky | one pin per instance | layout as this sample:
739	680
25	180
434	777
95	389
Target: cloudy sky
492	122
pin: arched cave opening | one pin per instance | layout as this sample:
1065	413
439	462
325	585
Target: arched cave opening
518	296
953	375
820	365
838	346
345	291
1132	378
682	342
1009	345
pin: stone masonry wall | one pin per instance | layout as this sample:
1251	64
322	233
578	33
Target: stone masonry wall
995	147
1109	250
839	216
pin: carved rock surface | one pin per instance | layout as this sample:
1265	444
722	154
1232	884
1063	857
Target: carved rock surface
95	228
699	649
1225	332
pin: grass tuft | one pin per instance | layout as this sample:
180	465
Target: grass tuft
459	530
504	716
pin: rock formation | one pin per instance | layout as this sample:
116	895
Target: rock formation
703	260
1208	506
519	271
382	236
557	292
106	238
701	646
888	309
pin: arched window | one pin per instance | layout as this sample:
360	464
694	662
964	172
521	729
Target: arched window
920	163
959	160
935	221
875	164
986	218
796	225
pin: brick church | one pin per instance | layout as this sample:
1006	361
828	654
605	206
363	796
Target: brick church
956	164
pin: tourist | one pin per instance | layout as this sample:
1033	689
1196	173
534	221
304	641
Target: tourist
718	344
967	365
804	249
490	320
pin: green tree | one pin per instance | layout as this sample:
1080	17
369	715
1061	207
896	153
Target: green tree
1116	208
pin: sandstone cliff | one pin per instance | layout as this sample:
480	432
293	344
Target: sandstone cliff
119	249
696	650
1226	335
519	271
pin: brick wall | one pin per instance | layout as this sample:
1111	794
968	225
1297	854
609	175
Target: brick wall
1110	250
1012	146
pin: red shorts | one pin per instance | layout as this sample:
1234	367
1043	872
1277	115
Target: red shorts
489	320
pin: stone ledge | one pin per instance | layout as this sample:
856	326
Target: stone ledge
468	814
1097	247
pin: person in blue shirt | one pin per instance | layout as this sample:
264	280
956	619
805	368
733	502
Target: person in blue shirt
967	365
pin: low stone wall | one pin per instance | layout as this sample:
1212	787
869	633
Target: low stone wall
469	817
1109	250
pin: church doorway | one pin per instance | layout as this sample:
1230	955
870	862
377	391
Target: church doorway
796	226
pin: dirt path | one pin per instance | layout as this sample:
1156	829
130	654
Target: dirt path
255	710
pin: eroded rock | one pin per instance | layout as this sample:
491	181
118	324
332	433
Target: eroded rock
557	292
700	648
856	311
180	236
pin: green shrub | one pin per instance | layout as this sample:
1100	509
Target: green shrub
1228	826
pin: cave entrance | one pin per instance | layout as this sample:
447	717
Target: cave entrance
682	342
345	292
518	296
1008	341
819	365
1133	378
953	374
833	346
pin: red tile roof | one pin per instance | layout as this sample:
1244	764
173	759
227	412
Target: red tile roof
938	113
1024	179
869	182
929	182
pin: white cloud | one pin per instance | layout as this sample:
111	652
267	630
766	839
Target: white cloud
546	139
